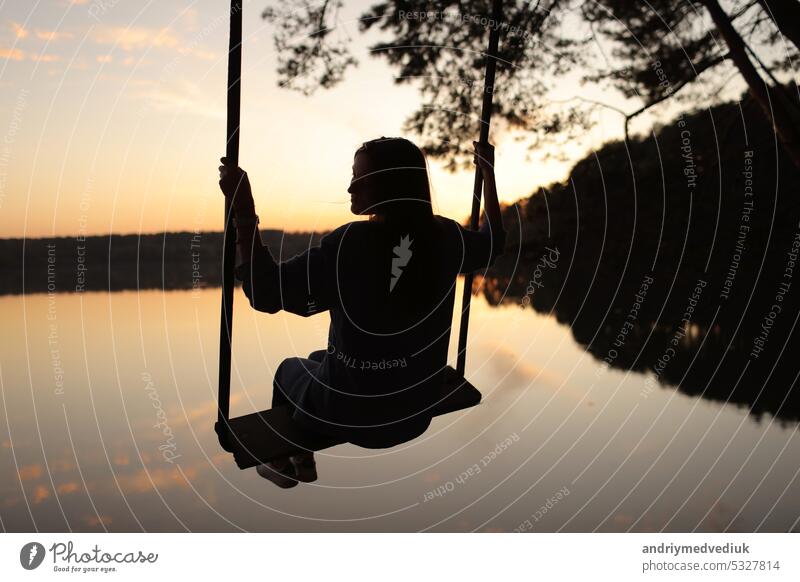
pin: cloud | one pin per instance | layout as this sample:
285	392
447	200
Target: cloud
131	39
67	488
198	53
209	408
30	472
143	480
136	38
52	35
11	54
95	521
19	30
516	372
40	494
45	58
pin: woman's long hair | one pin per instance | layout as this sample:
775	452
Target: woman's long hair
399	174
401	193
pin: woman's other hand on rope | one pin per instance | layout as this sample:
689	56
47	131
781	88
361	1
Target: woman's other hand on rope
234	183
484	158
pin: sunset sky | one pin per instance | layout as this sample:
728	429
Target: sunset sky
113	117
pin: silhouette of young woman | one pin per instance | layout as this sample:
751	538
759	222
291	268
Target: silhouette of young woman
389	285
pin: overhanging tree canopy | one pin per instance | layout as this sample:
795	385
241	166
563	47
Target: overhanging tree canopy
437	46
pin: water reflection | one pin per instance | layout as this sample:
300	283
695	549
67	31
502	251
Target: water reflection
717	358
89	381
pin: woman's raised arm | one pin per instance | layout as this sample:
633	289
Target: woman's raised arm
235	184
484	159
303	285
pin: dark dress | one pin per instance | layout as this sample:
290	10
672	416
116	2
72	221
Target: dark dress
390	290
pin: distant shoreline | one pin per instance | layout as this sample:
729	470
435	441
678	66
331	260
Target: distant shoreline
117	262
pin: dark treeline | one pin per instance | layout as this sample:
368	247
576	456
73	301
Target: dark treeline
173	260
700	219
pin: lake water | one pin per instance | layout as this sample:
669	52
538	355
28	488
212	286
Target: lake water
109	400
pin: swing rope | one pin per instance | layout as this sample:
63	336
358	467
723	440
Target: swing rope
477	189
222	426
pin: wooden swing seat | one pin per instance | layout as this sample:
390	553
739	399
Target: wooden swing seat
267	435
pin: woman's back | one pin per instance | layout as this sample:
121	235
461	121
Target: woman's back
390	289
391	321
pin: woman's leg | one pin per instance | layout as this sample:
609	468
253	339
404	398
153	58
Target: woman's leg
291	374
